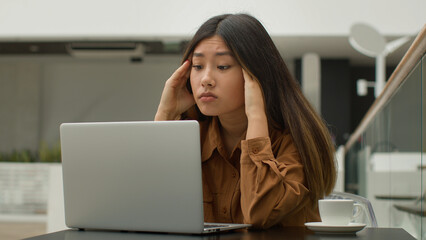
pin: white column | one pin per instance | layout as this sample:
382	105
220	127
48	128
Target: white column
311	79
380	74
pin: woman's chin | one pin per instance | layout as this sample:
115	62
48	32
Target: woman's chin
208	113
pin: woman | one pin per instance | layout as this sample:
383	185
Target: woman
267	156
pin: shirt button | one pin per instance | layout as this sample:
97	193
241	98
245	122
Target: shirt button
224	210
255	150
234	174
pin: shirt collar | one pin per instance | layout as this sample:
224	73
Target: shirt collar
213	140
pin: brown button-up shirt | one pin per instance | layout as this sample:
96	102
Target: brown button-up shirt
261	183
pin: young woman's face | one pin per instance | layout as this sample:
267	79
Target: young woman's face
216	78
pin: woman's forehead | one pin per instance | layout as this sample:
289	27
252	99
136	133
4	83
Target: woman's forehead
215	43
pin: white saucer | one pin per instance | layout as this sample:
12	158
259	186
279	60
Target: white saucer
323	228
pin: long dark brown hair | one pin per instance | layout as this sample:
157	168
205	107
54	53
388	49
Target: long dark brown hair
286	107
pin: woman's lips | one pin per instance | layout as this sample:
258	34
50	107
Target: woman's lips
207	97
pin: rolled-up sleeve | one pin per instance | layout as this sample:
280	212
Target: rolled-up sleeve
272	185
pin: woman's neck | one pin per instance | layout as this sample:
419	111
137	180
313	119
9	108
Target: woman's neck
235	123
232	128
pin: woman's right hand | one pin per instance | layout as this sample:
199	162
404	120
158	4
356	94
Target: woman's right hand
175	98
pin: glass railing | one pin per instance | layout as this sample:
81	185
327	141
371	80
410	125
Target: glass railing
384	157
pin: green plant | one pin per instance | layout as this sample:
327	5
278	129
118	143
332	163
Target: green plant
49	154
19	156
44	154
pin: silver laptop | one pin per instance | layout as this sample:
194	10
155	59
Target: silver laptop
134	176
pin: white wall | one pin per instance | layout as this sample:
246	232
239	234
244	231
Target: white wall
74	90
151	19
19	105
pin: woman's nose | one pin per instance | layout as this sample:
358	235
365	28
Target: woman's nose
207	79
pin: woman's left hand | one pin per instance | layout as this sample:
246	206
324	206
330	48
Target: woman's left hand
255	108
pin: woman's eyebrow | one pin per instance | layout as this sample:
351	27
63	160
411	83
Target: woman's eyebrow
226	53
197	55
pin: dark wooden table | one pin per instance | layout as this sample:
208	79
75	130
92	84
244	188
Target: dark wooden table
284	233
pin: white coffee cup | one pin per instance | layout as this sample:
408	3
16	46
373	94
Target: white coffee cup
338	212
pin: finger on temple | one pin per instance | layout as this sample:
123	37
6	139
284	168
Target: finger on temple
182	70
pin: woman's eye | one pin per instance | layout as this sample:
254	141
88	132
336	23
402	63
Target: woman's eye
224	67
197	67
